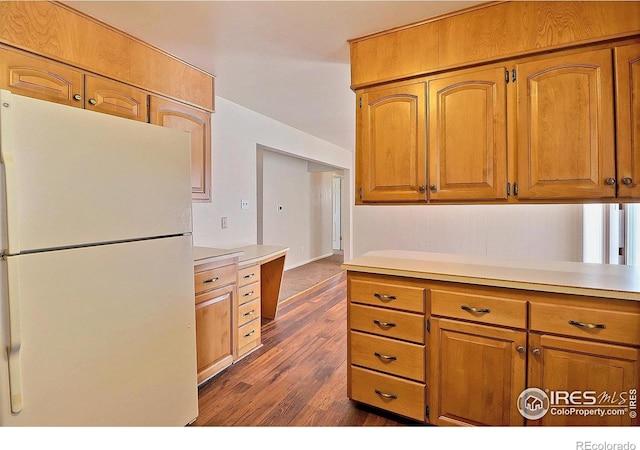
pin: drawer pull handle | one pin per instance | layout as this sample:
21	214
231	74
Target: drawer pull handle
385	395
588	325
385	357
384	324
246	277
212	280
249	313
475	310
384	297
251	333
247	294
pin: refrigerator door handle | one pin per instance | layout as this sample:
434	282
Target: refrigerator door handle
15	341
11	193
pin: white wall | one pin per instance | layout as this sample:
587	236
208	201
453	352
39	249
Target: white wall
538	232
237	132
303	223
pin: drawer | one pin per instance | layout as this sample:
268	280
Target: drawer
248	293
479	308
388	322
388	295
248	311
213	278
388	355
249	274
403	397
607	325
248	336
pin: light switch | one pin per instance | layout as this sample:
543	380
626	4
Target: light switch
224	222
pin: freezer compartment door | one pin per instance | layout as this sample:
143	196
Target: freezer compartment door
75	177
106	336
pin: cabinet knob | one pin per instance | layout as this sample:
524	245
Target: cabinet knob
433	188
422	189
520	349
610	181
77	97
536	352
92	101
627	181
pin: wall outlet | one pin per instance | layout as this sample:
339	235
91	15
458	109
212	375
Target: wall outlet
244	204
224	222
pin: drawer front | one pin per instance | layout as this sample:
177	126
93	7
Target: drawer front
213	278
248	275
248	293
248	336
388	323
248	311
403	397
607	325
388	295
387	355
479	308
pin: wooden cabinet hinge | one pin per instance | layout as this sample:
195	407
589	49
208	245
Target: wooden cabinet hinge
428	325
360	102
506	76
513	75
508	189
427	411
360	193
515	188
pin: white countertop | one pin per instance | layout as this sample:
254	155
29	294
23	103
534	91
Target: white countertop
600	280
202	255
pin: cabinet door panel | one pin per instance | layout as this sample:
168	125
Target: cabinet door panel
175	115
214	340
565	143
468	136
477	374
391	155
628	119
574	365
115	98
39	78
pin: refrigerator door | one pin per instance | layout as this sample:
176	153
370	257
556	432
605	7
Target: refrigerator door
105	336
75	177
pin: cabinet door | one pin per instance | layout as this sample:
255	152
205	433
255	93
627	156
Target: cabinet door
565	144
477	375
171	114
571	365
628	119
40	78
214	338
468	136
111	97
391	150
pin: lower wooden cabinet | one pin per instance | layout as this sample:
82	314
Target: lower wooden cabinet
599	377
451	353
215	306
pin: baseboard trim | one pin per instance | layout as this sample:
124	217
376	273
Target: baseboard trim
309	261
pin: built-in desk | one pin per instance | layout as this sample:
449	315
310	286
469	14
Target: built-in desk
270	259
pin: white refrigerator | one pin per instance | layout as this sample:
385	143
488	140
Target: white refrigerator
97	321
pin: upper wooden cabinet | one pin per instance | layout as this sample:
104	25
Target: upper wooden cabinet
40	78
627	61
115	98
565	127
178	116
468	136
491	31
391	145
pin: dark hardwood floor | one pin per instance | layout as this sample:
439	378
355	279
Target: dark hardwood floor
299	376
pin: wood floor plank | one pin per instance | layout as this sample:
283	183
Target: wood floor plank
299	376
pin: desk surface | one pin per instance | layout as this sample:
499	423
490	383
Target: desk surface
253	254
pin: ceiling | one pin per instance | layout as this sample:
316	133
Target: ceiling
288	60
